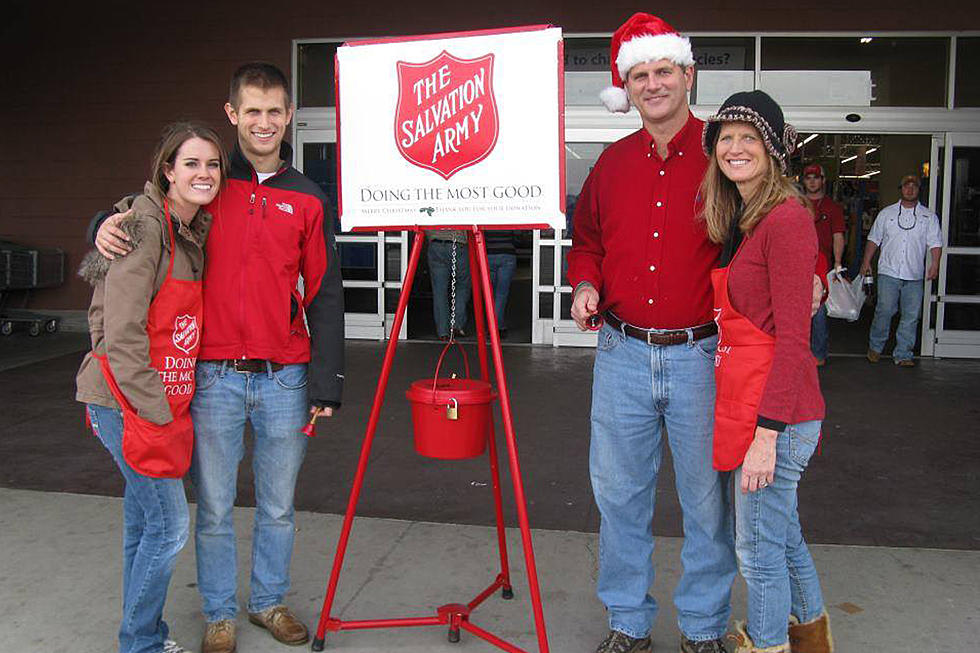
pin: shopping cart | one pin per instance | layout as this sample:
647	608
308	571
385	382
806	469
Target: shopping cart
22	270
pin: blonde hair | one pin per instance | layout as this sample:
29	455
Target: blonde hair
720	199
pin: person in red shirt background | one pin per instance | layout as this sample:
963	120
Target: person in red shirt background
828	218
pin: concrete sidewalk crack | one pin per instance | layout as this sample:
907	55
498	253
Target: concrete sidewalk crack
378	566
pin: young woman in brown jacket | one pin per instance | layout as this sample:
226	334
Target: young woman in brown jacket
145	321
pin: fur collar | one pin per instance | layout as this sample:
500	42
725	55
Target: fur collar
94	266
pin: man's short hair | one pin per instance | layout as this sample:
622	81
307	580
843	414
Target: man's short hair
909	179
260	74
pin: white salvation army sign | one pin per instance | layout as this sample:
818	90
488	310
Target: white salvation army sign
452	129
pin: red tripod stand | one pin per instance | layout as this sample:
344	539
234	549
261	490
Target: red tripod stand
454	615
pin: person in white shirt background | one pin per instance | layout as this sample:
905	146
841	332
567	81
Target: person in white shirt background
903	232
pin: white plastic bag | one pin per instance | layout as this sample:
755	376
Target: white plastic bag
845	298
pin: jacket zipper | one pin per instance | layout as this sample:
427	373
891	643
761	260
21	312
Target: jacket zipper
241	278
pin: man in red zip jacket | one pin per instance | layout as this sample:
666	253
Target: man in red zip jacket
271	227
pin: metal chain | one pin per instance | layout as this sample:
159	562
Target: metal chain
452	295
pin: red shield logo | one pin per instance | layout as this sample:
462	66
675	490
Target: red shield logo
446	118
186	333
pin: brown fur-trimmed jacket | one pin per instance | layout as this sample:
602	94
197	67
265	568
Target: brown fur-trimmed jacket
123	290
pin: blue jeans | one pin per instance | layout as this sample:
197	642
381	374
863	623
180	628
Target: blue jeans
440	270
772	556
501	268
638	390
276	404
893	292
155	527
820	333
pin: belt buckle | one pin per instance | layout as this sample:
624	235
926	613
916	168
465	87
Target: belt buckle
246	364
650	340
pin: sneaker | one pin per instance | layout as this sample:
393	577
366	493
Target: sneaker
281	624
703	646
874	356
219	637
617	642
170	646
905	362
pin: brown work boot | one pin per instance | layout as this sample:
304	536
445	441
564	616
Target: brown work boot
740	642
219	637
905	362
811	637
874	356
281	624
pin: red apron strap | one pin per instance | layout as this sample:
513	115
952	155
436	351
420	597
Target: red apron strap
173	241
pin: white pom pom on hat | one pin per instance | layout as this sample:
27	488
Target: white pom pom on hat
642	38
615	98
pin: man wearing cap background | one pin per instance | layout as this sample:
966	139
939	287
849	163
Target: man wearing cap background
641	258
829	222
903	232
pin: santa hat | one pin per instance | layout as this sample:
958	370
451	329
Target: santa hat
641	39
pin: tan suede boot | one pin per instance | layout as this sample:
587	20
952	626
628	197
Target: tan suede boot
811	637
742	643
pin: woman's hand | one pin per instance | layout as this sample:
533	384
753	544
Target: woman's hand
760	460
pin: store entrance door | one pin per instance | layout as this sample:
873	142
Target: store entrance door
958	295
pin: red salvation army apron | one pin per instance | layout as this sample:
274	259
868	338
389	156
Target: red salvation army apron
173	324
742	363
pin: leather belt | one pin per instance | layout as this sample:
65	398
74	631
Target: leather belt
662	337
254	365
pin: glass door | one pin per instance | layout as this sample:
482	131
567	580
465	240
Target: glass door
372	264
958	295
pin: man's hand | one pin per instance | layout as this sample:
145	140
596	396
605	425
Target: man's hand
817	295
932	272
760	460
110	239
317	411
584	305
865	269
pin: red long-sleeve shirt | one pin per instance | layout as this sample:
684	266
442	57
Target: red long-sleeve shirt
771	284
636	236
828	218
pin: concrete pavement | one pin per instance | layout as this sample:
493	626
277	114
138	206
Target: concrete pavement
60	577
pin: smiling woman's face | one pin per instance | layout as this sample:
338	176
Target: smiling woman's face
195	175
741	155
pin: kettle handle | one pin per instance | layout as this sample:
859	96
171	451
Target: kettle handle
466	362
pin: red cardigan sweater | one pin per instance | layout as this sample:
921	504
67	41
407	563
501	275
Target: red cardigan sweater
771	284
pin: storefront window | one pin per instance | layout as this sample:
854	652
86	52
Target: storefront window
853	71
315	79
967	63
724	65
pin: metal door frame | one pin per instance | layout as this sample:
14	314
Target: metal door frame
367	326
948	342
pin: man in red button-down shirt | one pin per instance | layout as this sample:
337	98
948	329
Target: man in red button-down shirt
829	221
642	259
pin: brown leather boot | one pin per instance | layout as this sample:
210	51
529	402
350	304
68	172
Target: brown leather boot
281	624
811	637
219	637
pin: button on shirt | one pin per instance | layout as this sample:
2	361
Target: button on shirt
637	238
904	235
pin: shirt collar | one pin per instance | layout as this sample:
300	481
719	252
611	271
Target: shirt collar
686	140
